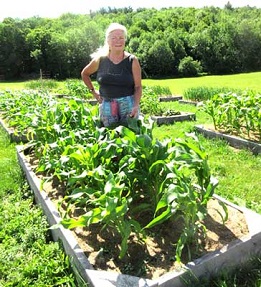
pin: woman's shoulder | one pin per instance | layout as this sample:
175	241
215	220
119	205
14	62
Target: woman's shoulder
101	59
130	56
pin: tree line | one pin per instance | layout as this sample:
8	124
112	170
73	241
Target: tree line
170	42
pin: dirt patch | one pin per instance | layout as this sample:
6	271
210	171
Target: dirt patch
155	256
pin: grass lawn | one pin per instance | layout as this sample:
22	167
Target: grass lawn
240	81
28	256
179	86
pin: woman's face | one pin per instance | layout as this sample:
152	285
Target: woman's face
116	40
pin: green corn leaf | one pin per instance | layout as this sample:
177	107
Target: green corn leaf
160	218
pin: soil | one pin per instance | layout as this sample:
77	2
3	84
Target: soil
155	256
252	136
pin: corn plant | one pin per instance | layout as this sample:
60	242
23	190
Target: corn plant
170	188
236	113
19	108
113	177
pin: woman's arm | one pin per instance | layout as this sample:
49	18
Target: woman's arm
88	70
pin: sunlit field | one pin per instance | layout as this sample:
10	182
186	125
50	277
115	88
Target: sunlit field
250	81
178	86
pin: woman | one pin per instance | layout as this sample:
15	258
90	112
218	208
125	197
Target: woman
118	76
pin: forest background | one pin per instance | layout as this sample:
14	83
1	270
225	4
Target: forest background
170	42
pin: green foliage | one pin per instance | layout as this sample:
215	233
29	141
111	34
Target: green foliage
240	186
247	274
189	67
45	85
222	159
204	93
232	112
159	59
28	256
105	170
223	41
150	104
76	88
18	109
161	90
228	83
106	178
150	101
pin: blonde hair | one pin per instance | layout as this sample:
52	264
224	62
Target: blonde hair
104	50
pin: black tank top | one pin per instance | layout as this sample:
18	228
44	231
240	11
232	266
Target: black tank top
115	80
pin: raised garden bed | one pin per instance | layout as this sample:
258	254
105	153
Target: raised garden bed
161	99
183	116
90	101
14	136
237	251
187	102
234	141
169	98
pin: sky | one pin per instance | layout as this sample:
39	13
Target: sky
54	8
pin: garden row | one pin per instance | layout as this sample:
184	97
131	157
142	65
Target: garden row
118	179
233	111
114	176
